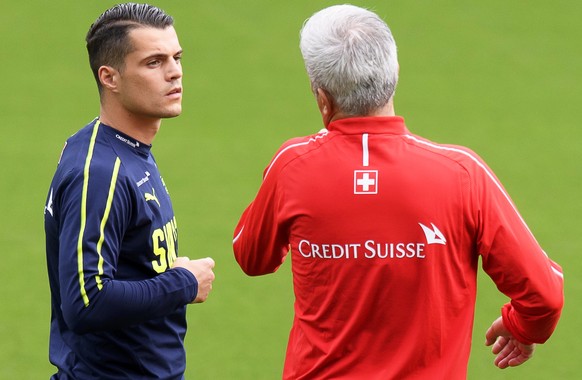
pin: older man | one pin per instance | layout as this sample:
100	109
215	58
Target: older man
385	229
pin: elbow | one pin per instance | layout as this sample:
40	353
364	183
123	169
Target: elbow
76	320
79	328
243	261
250	268
251	272
83	318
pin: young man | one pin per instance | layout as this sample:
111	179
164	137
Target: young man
385	229
118	288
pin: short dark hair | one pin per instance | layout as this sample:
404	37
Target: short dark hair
107	39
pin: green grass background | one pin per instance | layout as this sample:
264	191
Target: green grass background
501	77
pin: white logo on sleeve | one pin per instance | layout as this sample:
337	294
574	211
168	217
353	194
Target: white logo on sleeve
434	235
49	205
365	181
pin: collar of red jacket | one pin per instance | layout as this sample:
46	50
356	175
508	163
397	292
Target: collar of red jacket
372	124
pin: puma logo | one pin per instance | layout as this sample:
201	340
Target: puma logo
152	197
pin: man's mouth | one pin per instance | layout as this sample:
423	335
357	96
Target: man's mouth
176	90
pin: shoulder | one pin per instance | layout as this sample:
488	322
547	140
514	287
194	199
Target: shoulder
459	159
297	147
88	153
456	154
300	145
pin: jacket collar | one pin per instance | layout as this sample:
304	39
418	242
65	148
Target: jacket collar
371	125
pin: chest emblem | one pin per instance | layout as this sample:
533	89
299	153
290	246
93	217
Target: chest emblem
152	197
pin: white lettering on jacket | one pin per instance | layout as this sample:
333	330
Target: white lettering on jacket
370	249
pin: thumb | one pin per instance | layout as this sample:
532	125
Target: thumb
210	261
496	330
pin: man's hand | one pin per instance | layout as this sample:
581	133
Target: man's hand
510	352
202	270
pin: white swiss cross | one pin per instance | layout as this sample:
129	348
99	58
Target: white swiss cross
365	181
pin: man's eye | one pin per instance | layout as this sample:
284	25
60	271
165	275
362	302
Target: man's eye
154	62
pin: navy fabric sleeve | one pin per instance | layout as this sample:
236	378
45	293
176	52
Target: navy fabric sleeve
124	303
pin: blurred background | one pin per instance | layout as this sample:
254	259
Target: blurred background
503	78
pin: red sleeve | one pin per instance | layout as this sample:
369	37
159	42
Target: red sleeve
516	263
260	239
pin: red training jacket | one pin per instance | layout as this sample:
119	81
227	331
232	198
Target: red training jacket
385	230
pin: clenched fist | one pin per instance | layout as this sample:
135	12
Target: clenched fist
202	270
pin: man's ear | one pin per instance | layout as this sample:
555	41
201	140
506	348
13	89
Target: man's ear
109	78
322	101
325	105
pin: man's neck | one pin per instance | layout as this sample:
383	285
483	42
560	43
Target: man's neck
140	128
387	110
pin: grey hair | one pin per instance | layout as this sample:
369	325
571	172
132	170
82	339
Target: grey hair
350	53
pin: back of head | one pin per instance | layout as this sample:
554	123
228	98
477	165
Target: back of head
350	53
107	39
